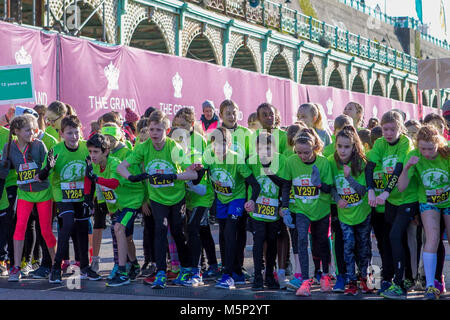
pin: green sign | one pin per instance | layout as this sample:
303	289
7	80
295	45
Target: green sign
16	84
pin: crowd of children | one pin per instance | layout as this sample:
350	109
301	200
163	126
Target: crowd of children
291	187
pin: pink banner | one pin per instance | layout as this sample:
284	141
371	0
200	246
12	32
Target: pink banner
27	46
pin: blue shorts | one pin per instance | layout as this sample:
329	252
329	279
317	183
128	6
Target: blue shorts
427	206
234	207
126	218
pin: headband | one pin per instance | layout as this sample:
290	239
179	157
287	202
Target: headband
112	131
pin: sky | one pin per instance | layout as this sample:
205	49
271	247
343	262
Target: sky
431	10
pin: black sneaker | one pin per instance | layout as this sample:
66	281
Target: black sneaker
258	283
120	279
55	276
88	273
271	283
41	273
134	272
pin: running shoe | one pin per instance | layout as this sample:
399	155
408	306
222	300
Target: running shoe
258	283
134	272
384	286
352	289
114	270
160	280
295	283
41	273
195	280
226	282
239	278
171	275
339	286
325	284
212	273
3	268
443	284
35	264
183	277
150	279
317	276
363	286
408	284
26	267
394	292
65	266
95	264
148	268
271	283
246	274
15	274
55	276
119	280
281	278
305	288
432	293
89	274
421	284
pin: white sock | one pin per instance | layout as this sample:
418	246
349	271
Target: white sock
429	263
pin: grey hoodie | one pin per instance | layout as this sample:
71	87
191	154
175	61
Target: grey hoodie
24	166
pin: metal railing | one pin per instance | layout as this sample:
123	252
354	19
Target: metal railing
402	22
276	16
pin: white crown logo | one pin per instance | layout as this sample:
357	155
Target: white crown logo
112	74
22	56
330	104
227	91
374	111
177	83
407	115
269	96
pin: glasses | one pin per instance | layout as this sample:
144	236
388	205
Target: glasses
52	121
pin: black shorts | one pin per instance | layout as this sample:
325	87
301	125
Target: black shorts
100	212
126	218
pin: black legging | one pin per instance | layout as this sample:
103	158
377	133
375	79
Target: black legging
228	245
377	221
241	239
398	237
164	216
208	244
338	239
265	232
149	238
12	219
70	216
193	229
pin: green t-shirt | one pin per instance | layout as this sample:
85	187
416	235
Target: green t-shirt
193	199
53	132
433	177
309	200
127	195
329	149
47	139
227	177
387	156
358	208
278	136
267	204
378	179
67	180
168	160
35	197
11	179
121	152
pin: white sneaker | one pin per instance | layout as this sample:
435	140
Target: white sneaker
95	265
282	280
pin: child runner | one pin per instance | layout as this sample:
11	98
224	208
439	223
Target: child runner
347	166
73	201
430	164
229	173
309	113
27	155
162	158
123	198
355	111
389	153
311	179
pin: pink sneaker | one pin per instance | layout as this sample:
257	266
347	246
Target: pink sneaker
65	265
325	284
305	289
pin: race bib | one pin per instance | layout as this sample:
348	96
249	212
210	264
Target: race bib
378	181
304	190
266	208
161	183
350	196
72	191
437	196
109	194
222	189
26	173
292	196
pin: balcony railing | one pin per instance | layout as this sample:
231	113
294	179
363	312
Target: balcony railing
276	16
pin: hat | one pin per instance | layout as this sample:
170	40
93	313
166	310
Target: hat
208	103
20	111
130	115
446	108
